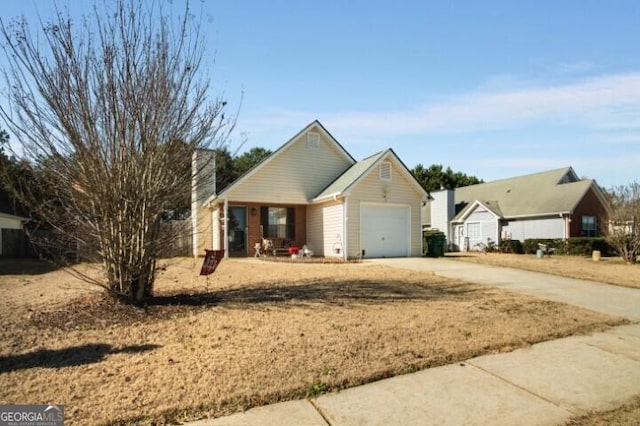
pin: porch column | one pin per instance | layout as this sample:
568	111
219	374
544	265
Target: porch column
226	228
567	227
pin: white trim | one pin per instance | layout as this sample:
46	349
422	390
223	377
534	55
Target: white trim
215	227
329	197
194	204
320	128
385	166
536	216
384	156
345	228
226	228
472	207
13	216
526	216
599	195
466	232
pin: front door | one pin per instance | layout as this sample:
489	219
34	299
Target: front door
237	231
459	237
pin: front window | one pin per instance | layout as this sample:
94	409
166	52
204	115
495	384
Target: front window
278	222
589	228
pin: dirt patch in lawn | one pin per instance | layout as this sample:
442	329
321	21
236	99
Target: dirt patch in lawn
253	333
609	270
627	415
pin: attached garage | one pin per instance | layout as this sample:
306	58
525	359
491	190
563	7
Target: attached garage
385	230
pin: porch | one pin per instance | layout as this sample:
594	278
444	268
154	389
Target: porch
249	224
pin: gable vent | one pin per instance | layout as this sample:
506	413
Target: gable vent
313	140
385	171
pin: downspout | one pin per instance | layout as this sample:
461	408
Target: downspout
344	228
226	230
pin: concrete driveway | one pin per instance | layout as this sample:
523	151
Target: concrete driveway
605	298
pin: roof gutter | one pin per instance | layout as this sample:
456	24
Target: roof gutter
328	197
538	215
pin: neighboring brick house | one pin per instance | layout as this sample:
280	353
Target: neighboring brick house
312	192
551	204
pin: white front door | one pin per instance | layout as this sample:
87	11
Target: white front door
474	234
459	237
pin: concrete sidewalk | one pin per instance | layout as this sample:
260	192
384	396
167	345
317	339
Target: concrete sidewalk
545	384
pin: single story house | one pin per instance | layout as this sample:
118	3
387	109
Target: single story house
551	204
312	192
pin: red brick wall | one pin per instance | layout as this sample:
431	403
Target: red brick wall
253	223
590	205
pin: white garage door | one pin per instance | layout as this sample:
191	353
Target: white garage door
384	231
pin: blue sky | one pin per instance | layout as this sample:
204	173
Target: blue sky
492	88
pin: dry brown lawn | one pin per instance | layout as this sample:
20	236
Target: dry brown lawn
609	270
253	333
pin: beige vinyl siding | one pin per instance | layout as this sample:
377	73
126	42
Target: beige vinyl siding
294	175
8	222
372	190
325	228
204	233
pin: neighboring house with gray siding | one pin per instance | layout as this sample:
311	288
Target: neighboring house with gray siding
551	204
312	192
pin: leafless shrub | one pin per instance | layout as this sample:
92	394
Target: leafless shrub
108	114
624	223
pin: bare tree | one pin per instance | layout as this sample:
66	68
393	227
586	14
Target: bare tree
624	222
109	112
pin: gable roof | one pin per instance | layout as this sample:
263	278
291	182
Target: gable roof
555	191
490	206
277	153
358	171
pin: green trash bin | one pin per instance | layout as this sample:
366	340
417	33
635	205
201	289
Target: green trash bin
434	244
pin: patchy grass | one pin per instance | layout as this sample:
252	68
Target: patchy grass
627	415
254	333
608	270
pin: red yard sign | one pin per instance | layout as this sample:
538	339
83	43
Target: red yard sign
211	260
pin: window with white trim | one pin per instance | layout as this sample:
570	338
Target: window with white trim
277	222
386	171
589	226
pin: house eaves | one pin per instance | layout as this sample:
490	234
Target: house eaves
223	195
343	185
539	215
464	213
14	217
534	195
598	193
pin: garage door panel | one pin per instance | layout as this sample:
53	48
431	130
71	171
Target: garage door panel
384	231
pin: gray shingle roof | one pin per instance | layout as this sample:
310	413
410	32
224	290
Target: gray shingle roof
554	191
348	178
